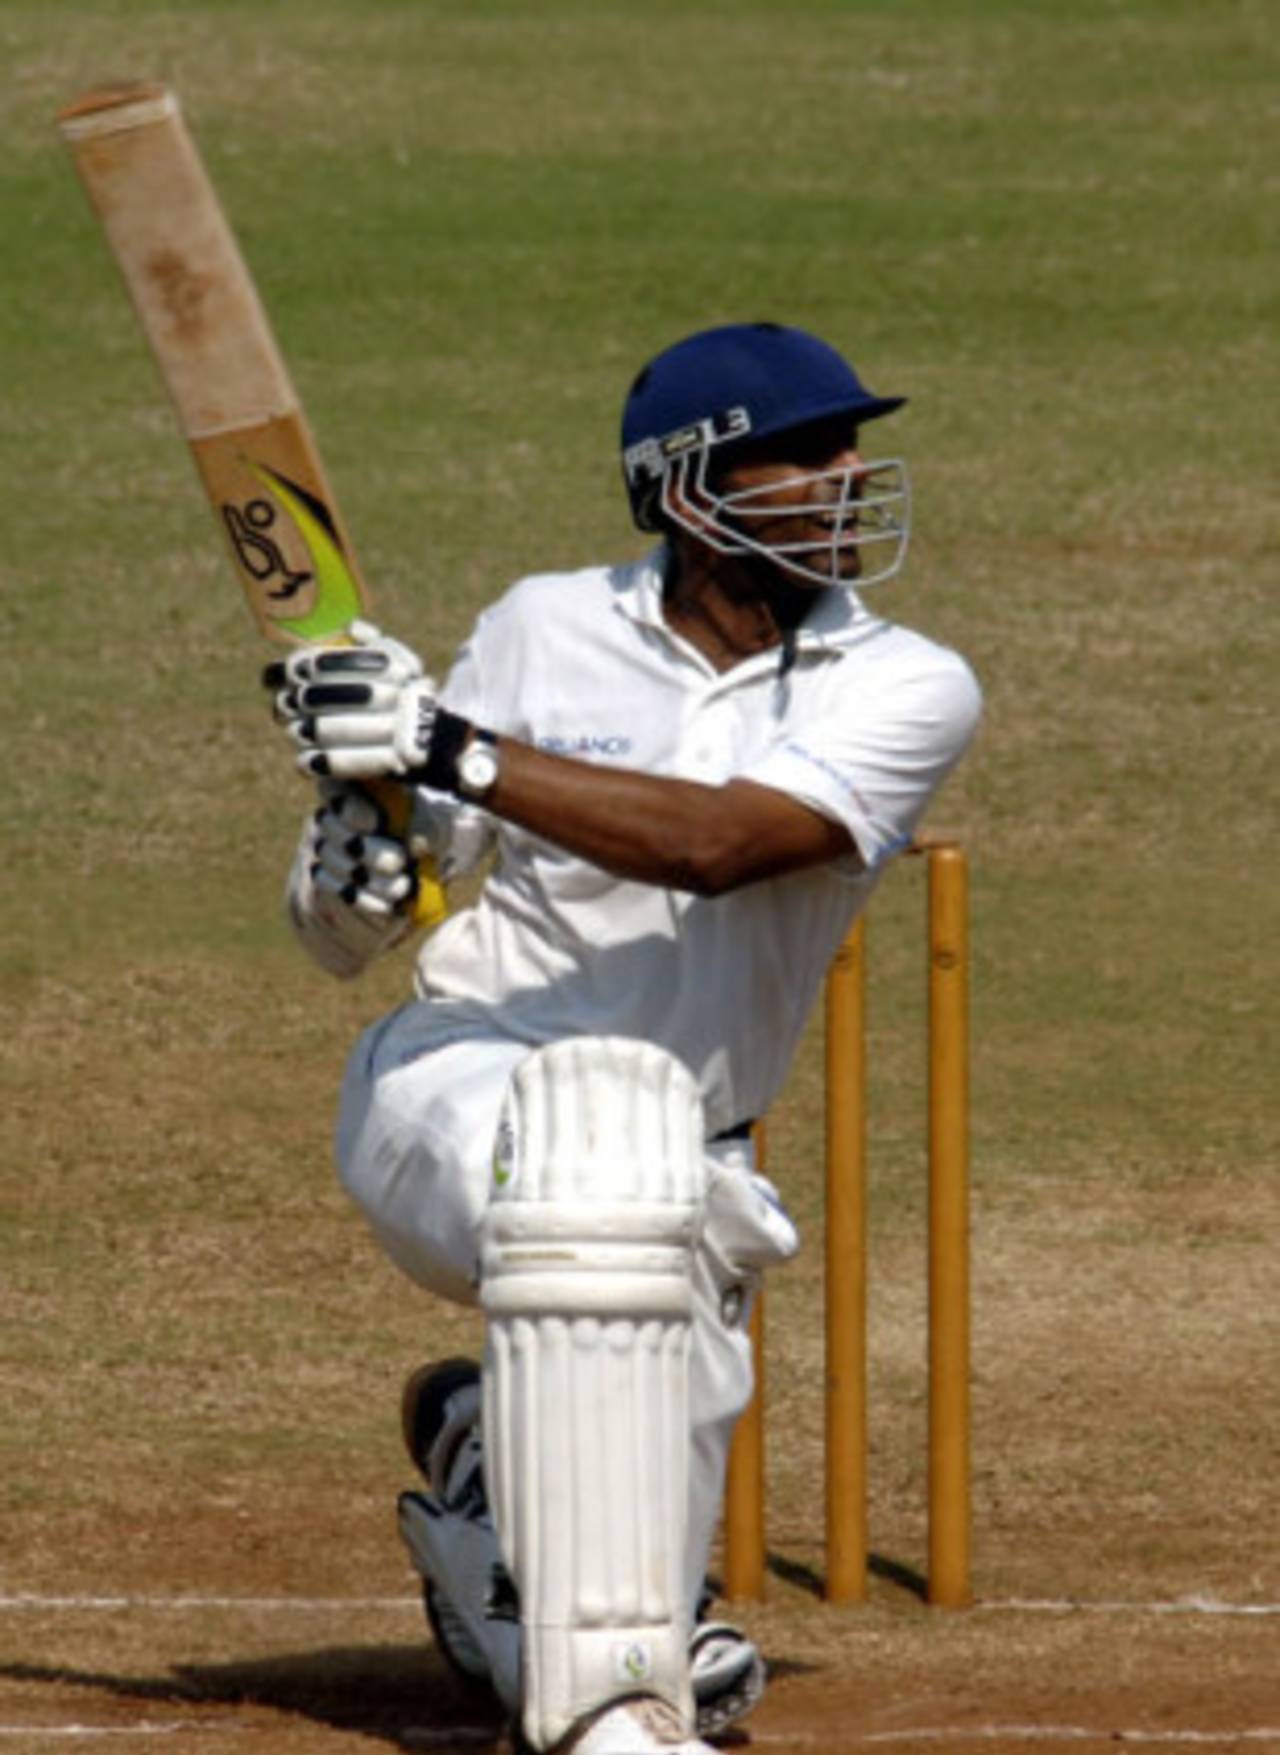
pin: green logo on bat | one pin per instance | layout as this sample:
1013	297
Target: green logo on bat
251	529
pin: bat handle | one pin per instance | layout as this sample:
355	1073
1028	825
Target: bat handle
396	802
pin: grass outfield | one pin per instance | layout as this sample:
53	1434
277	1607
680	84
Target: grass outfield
1053	228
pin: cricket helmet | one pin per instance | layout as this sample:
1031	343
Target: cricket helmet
695	403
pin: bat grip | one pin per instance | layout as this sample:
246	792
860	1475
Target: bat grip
396	803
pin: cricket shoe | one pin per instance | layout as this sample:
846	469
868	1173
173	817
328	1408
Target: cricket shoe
727	1674
469	1598
642	1725
467	1592
440	1421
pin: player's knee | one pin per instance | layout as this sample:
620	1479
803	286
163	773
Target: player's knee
599	1151
594	1118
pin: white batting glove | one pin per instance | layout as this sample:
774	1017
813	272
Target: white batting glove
358	711
355	859
352	885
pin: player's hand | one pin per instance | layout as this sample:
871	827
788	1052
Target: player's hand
358	711
355	861
351	887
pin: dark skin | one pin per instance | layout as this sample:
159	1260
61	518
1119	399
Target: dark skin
680	834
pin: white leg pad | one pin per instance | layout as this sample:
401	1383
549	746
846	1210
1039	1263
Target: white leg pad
586	1285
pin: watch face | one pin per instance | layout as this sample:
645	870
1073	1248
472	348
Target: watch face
478	768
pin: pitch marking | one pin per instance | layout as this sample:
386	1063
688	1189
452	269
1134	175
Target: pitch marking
31	1600
147	1728
1025	1734
1068	1734
421	1736
1178	1606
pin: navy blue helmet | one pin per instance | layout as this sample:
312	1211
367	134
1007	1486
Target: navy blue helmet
709	392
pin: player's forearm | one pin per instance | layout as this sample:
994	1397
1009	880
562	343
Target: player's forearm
679	834
643	827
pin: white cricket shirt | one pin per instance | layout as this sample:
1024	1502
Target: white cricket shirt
863	728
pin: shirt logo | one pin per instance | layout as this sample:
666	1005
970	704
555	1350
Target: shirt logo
588	743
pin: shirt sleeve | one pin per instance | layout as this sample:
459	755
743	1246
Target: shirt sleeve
483	683
463	690
873	762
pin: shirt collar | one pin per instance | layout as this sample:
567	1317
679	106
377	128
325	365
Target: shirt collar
638	588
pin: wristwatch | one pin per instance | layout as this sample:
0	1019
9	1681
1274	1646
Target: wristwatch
478	766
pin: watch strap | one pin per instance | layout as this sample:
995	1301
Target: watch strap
449	735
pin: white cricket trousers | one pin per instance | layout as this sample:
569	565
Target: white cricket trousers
416	1130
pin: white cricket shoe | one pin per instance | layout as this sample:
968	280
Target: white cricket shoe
727	1674
640	1726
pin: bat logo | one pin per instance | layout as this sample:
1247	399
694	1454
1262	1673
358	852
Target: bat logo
250	526
258	552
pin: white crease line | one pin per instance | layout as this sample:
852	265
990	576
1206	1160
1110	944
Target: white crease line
29	1600
1068	1734
1024	1734
429	1736
1073	1606
416	1736
146	1728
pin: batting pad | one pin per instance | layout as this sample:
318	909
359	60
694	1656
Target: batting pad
586	1285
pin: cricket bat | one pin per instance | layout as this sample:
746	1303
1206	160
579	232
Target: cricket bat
236	406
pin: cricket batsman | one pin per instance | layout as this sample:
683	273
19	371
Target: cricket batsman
687	773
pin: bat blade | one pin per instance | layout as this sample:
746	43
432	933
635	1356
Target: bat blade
200	311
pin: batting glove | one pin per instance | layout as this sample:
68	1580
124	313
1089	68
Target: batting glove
352	885
355	860
358	711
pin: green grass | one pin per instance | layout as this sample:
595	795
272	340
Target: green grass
1053	228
